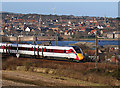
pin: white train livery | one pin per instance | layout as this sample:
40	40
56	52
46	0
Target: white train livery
70	52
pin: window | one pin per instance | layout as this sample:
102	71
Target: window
45	50
49	50
32	49
77	49
29	49
71	51
64	51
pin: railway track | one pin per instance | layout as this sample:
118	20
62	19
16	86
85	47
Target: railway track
46	59
59	61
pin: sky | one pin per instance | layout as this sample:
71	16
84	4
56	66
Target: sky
99	9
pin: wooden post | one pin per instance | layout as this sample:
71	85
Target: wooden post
96	40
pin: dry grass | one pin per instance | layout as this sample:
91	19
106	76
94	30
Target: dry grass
25	81
107	74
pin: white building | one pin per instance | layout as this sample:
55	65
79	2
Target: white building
27	29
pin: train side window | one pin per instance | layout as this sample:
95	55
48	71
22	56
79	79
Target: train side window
22	48
51	50
64	51
45	50
71	51
48	50
32	49
13	48
25	48
29	49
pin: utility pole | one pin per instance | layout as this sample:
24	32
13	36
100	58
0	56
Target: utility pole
17	46
96	54
40	22
56	31
56	38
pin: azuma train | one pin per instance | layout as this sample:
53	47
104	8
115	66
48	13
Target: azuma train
69	52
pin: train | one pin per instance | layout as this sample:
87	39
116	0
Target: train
69	52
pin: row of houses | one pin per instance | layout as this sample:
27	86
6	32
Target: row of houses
49	25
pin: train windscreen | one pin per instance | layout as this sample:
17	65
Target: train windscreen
77	49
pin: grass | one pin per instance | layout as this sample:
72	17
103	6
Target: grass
25	81
107	74
41	83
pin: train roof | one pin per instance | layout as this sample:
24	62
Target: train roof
31	45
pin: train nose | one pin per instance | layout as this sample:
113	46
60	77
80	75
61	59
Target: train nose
80	56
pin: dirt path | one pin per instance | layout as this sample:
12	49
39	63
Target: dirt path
12	83
22	78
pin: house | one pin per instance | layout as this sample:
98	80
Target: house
114	35
27	29
117	35
1	32
110	35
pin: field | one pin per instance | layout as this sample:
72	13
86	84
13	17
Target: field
85	74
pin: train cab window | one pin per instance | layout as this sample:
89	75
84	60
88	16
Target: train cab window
77	49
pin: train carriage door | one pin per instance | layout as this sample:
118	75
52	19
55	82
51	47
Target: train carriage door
42	52
9	49
3	48
6	48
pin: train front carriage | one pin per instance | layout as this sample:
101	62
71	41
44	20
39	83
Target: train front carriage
79	53
70	52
